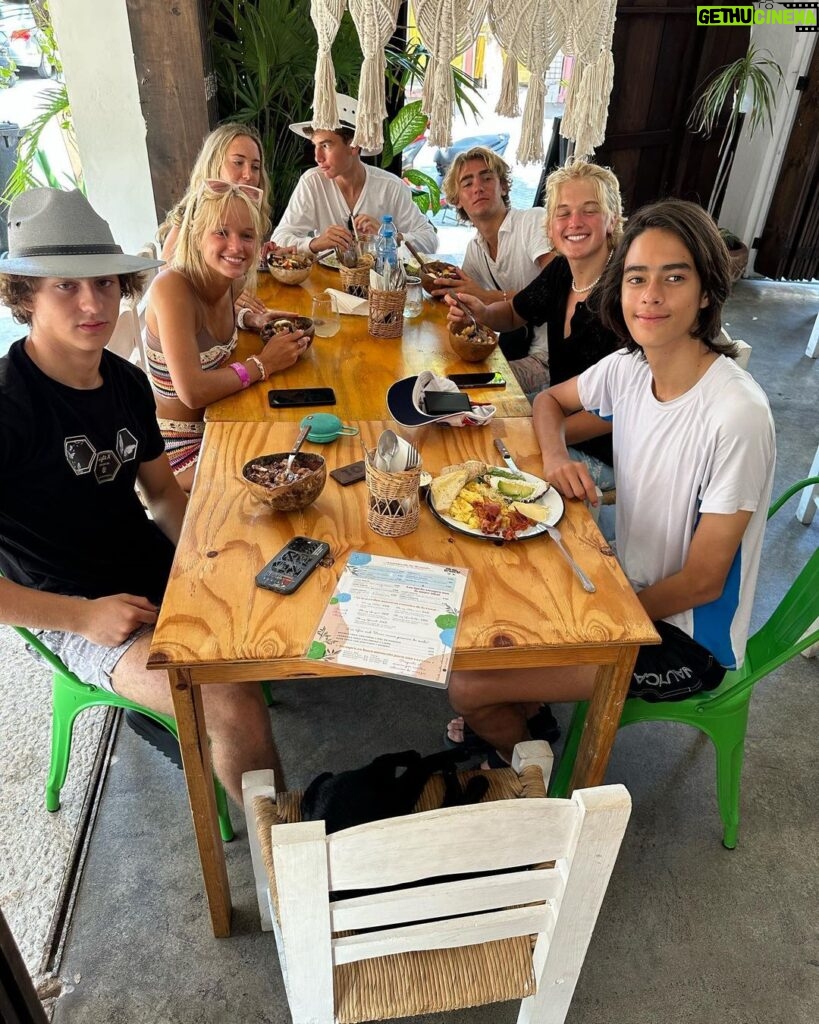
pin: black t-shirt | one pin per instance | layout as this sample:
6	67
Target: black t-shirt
70	519
544	301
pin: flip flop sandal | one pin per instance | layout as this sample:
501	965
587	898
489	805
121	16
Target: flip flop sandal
542	726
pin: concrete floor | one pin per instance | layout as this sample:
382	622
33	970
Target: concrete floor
689	933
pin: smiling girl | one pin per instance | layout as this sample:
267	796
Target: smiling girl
190	328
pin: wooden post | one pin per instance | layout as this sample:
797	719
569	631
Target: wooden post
172	73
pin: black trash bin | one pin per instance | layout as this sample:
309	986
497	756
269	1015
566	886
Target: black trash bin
9	137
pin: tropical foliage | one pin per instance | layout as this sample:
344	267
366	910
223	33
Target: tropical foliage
264	56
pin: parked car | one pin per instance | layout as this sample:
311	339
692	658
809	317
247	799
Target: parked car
7	65
24	38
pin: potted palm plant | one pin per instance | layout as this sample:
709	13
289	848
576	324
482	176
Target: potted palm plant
748	86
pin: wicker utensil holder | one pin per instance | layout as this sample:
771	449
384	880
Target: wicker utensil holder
355	280
392	506
386	319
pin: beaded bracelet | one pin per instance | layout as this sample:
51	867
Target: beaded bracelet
241	372
240	318
260	366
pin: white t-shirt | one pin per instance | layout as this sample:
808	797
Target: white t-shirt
521	240
711	450
317	204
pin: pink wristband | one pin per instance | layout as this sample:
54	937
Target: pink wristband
241	372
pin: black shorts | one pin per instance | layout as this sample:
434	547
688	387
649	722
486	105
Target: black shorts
675	669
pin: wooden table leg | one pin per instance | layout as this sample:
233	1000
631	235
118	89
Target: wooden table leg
193	742
602	720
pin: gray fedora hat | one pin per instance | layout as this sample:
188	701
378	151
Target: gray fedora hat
59	234
347	113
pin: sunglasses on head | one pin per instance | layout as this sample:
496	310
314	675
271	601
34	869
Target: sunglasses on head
220	188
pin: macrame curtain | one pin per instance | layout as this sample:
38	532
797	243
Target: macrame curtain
531	33
587	98
326	16
375	22
447	28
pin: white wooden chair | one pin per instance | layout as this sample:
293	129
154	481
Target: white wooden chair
517	927
744	355
126	340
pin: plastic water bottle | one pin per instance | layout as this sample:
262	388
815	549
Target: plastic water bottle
387	263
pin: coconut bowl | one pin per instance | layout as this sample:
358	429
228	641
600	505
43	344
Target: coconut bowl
296	322
434	269
263	477
289	268
473	347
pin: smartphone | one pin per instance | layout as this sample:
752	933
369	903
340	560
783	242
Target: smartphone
349	474
292	397
440	403
478	380
287	570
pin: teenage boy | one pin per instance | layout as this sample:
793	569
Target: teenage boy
84	566
508	251
694	458
342	192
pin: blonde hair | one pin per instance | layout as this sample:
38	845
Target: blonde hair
206	211
606	188
209	164
494	163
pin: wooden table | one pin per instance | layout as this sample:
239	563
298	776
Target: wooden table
357	366
524	607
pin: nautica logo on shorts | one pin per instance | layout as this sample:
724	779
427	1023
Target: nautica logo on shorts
659	679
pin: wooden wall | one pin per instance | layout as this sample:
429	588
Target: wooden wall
661	58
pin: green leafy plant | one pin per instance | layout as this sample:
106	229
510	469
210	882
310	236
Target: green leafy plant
405	70
264	57
750	85
33	168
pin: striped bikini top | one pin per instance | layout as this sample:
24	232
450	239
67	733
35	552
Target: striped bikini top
211	359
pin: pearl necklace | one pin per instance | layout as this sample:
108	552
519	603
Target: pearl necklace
588	288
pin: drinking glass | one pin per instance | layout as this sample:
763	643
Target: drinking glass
414	306
325	316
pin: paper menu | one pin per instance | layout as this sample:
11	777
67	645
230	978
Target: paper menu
393	617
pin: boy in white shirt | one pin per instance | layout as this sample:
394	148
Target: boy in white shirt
342	192
508	251
694	453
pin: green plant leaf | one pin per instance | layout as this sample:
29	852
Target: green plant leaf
405	127
421	180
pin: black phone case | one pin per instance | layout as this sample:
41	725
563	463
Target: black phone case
287	570
351	474
477	380
442	403
294	398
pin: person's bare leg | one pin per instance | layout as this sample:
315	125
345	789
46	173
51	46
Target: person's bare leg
238	721
455	728
496	704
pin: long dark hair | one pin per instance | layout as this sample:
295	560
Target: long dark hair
698	233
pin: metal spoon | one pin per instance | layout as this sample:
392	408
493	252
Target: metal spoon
289	475
386	448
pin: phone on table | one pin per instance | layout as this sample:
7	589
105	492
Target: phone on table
293	397
478	380
349	474
441	403
287	570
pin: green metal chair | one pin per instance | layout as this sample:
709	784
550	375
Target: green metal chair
70	697
722	714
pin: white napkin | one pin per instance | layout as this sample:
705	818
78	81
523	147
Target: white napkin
351	304
428	381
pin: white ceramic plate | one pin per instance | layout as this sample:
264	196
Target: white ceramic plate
551	500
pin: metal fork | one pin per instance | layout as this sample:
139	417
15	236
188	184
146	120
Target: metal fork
413	458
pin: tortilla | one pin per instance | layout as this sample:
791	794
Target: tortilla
446	488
